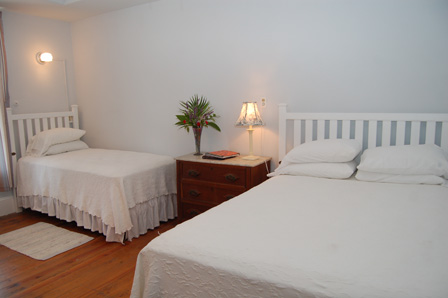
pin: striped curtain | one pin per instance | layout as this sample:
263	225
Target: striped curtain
5	165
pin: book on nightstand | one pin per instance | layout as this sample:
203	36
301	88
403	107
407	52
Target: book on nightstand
221	154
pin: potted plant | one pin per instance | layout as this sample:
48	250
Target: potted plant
196	113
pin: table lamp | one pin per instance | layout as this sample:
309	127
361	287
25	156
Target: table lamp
250	117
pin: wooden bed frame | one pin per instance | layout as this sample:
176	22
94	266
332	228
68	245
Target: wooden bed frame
25	126
371	129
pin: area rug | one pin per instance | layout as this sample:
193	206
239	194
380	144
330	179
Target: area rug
42	241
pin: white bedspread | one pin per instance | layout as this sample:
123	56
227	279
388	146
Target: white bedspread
306	237
104	183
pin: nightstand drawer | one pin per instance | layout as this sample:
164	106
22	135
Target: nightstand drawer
229	175
196	171
198	192
232	175
191	210
225	194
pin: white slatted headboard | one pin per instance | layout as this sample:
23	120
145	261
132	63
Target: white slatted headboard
25	126
371	129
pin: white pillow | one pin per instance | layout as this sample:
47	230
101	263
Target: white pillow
405	160
329	150
40	143
66	147
391	178
336	170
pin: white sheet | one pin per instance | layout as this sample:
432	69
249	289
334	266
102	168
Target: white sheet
104	183
306	237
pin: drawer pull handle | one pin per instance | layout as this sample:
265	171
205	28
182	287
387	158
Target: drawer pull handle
193	173
194	193
193	212
231	177
228	197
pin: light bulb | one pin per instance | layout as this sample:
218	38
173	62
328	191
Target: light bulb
43	58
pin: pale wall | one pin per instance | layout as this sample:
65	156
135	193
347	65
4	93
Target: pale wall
35	87
133	66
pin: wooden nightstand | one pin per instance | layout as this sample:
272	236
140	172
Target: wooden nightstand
205	183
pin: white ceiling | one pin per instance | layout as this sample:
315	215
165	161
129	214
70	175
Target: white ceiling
67	10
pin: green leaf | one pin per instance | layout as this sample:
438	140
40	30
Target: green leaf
214	125
181	117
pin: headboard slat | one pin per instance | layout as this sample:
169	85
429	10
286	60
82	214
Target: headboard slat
52	123
384	129
282	149
29	130
387	127
444	140
320	129
333	127
346	129
45	121
359	130
75	119
430	132
401	131
21	137
415	133
297	132
308	130
372	133
37	125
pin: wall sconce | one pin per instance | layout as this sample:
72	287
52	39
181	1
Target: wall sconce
46	57
43	58
250	116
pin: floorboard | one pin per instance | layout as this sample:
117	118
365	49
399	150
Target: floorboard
95	269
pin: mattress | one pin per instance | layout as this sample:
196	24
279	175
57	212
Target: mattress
113	187
306	237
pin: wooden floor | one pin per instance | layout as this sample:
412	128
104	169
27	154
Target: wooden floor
95	269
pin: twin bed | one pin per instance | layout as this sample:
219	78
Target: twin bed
120	194
378	232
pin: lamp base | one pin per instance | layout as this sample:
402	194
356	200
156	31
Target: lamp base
250	157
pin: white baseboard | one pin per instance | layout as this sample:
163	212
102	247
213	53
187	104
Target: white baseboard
7	205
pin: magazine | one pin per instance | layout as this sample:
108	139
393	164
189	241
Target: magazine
221	154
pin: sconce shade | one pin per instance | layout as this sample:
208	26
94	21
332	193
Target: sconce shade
249	115
43	58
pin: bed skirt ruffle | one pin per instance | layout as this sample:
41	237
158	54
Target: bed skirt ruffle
144	216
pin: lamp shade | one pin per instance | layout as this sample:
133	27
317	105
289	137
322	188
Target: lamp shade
249	115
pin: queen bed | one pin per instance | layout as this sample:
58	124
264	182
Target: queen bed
120	194
314	229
